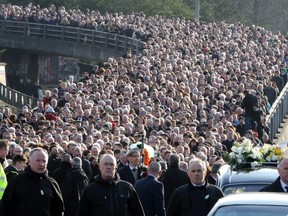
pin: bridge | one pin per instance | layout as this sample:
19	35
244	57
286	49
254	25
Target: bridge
65	41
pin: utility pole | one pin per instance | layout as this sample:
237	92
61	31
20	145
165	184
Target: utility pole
197	9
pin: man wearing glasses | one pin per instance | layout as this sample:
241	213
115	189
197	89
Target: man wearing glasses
131	172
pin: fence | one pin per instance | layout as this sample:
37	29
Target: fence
75	35
14	98
278	112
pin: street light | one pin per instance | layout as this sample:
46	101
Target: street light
197	9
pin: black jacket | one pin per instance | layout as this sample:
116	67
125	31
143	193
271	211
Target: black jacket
274	187
110	198
127	175
249	102
32	194
72	188
10	172
189	200
87	168
53	163
173	178
61	172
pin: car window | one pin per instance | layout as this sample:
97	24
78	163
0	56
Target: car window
252	210
234	189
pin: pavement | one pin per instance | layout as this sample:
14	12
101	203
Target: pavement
282	136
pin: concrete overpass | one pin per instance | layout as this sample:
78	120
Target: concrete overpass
65	41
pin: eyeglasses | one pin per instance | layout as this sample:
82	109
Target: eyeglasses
134	155
198	171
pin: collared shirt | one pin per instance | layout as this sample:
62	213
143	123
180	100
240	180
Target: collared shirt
283	185
203	184
133	168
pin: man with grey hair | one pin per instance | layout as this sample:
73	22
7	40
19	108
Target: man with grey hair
33	186
197	197
151	191
174	177
73	187
108	195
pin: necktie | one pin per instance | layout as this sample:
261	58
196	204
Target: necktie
286	188
134	172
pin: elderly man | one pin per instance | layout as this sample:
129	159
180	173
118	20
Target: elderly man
281	183
197	197
33	186
109	196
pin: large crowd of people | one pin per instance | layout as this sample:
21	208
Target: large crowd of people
191	92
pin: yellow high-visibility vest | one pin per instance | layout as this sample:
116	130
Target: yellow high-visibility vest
3	181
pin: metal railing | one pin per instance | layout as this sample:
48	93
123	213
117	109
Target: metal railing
70	34
14	98
278	113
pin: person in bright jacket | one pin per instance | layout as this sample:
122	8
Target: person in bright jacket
108	195
4	148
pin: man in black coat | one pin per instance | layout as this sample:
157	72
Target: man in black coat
174	177
73	186
109	196
197	197
85	163
281	183
33	192
151	191
53	161
132	172
18	165
65	166
249	104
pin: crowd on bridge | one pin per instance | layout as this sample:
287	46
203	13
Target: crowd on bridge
191	92
112	23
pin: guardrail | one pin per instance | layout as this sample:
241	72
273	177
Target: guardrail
70	34
14	98
278	113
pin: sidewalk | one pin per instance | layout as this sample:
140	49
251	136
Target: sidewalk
282	136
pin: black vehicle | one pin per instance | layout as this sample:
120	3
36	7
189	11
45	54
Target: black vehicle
245	179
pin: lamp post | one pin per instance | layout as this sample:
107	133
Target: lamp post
197	9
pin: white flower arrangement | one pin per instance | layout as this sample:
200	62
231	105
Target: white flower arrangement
243	154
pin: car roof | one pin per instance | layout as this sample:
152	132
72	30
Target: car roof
254	198
259	198
262	174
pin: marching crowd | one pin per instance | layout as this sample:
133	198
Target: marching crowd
191	92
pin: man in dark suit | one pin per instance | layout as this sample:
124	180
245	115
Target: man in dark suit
281	183
174	177
151	191
132	172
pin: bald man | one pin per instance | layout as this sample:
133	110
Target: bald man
33	186
108	195
281	183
